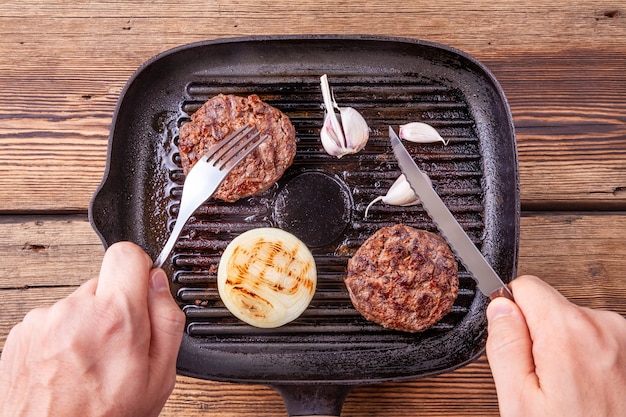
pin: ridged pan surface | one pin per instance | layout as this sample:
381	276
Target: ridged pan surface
320	199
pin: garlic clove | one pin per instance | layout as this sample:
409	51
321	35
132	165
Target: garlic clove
347	136
330	141
420	133
356	131
399	194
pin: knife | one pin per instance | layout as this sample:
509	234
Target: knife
488	281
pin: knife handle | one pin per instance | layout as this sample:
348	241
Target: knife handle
502	292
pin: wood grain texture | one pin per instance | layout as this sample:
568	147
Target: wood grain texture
57	251
468	391
562	66
580	254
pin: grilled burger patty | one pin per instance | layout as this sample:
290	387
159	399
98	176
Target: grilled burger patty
403	278
223	114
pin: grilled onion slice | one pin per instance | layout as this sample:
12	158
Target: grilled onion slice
266	277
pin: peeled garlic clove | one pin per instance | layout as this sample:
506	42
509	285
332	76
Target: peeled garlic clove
420	133
266	277
347	136
399	194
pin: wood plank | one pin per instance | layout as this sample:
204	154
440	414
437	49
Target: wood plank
468	391
570	121
531	24
47	252
582	255
64	66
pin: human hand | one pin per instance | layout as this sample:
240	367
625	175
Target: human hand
550	357
108	349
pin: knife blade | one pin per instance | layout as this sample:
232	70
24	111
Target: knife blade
488	281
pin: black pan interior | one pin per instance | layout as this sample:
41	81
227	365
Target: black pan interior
321	199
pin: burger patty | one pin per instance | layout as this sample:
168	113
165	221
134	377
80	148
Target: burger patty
223	114
403	278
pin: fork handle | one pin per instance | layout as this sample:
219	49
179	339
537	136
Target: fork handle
171	241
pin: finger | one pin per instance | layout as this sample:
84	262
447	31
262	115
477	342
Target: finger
12	344
19	340
509	350
88	288
544	309
167	322
537	299
125	270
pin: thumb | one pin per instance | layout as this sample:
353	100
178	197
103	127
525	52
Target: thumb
167	322
509	350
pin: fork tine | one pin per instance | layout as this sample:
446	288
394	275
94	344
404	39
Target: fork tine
242	149
235	159
237	144
217	150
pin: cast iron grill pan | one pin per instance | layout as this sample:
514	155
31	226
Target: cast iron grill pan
321	199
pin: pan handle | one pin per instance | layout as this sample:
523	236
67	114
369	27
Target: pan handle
313	400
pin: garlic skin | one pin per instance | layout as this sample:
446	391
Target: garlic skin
344	137
399	194
419	132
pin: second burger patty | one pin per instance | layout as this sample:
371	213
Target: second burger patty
223	114
403	278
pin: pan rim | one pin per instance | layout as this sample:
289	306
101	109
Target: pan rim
108	168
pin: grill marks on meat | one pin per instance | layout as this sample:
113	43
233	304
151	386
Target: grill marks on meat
223	114
403	278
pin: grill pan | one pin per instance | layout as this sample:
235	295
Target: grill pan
315	360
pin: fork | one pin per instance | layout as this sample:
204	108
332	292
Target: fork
207	174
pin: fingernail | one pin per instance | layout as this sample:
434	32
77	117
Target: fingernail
158	281
499	307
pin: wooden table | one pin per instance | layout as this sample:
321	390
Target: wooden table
562	65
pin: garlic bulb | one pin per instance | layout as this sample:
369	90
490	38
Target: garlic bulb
399	194
420	133
343	137
266	277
